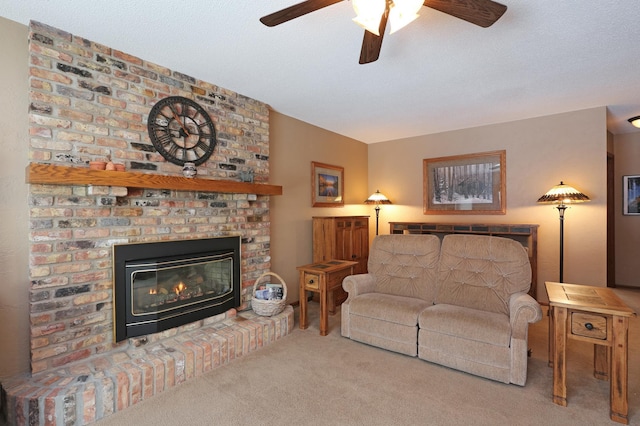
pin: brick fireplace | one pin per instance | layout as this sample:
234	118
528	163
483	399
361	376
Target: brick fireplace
90	102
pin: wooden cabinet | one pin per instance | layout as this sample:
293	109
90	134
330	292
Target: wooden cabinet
341	238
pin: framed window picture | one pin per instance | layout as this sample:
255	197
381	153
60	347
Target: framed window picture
466	184
631	195
327	185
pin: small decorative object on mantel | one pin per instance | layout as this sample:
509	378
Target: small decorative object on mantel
97	165
189	170
114	167
269	298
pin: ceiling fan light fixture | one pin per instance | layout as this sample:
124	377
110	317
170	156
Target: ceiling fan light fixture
374	15
403	12
635	121
369	13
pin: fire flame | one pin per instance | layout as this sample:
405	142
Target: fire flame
153	291
180	288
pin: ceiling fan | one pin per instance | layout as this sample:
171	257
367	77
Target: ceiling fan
479	12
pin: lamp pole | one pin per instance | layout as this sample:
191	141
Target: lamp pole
377	209
561	209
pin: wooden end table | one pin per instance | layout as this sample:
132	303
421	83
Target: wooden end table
595	315
322	278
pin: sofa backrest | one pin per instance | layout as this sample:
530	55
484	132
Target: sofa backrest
405	265
481	272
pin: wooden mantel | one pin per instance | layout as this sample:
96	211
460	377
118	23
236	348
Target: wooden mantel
50	174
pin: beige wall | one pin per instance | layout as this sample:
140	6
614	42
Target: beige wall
627	162
540	153
293	146
14	289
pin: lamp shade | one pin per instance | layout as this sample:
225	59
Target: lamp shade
377	198
563	194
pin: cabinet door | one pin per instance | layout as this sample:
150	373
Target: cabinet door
343	237
324	239
360	245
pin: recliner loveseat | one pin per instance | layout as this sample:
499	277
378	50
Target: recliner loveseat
462	303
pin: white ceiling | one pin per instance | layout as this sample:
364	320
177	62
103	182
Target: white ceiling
438	74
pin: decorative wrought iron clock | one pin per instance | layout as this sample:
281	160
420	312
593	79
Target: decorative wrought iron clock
181	130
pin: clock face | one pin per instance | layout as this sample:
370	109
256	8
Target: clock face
181	131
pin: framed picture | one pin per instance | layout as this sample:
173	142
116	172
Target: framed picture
631	195
465	184
327	185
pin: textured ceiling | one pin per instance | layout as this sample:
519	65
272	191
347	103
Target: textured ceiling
438	74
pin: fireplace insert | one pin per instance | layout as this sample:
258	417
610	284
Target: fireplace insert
161	285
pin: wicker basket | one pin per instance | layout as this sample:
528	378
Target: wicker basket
268	308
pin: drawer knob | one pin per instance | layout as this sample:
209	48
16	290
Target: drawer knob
311	282
589	326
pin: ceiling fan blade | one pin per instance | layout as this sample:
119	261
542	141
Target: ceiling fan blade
480	12
295	11
371	44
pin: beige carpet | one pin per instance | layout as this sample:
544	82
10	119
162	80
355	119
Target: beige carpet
312	380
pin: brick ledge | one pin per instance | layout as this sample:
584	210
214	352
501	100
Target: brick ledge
85	392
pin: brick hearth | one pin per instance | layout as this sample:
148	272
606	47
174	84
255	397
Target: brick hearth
86	391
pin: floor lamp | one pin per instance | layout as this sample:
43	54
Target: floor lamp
562	195
377	198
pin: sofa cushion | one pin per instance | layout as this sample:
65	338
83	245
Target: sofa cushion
389	308
466	339
468	324
386	335
405	265
386	321
479	358
481	272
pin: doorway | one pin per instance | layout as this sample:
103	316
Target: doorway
611	236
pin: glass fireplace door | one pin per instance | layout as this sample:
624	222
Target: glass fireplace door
167	286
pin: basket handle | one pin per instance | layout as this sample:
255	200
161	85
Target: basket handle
284	285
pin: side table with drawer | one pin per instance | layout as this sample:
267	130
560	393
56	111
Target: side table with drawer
595	315
322	278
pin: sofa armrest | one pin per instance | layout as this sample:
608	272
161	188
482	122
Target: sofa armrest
523	310
358	284
354	285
